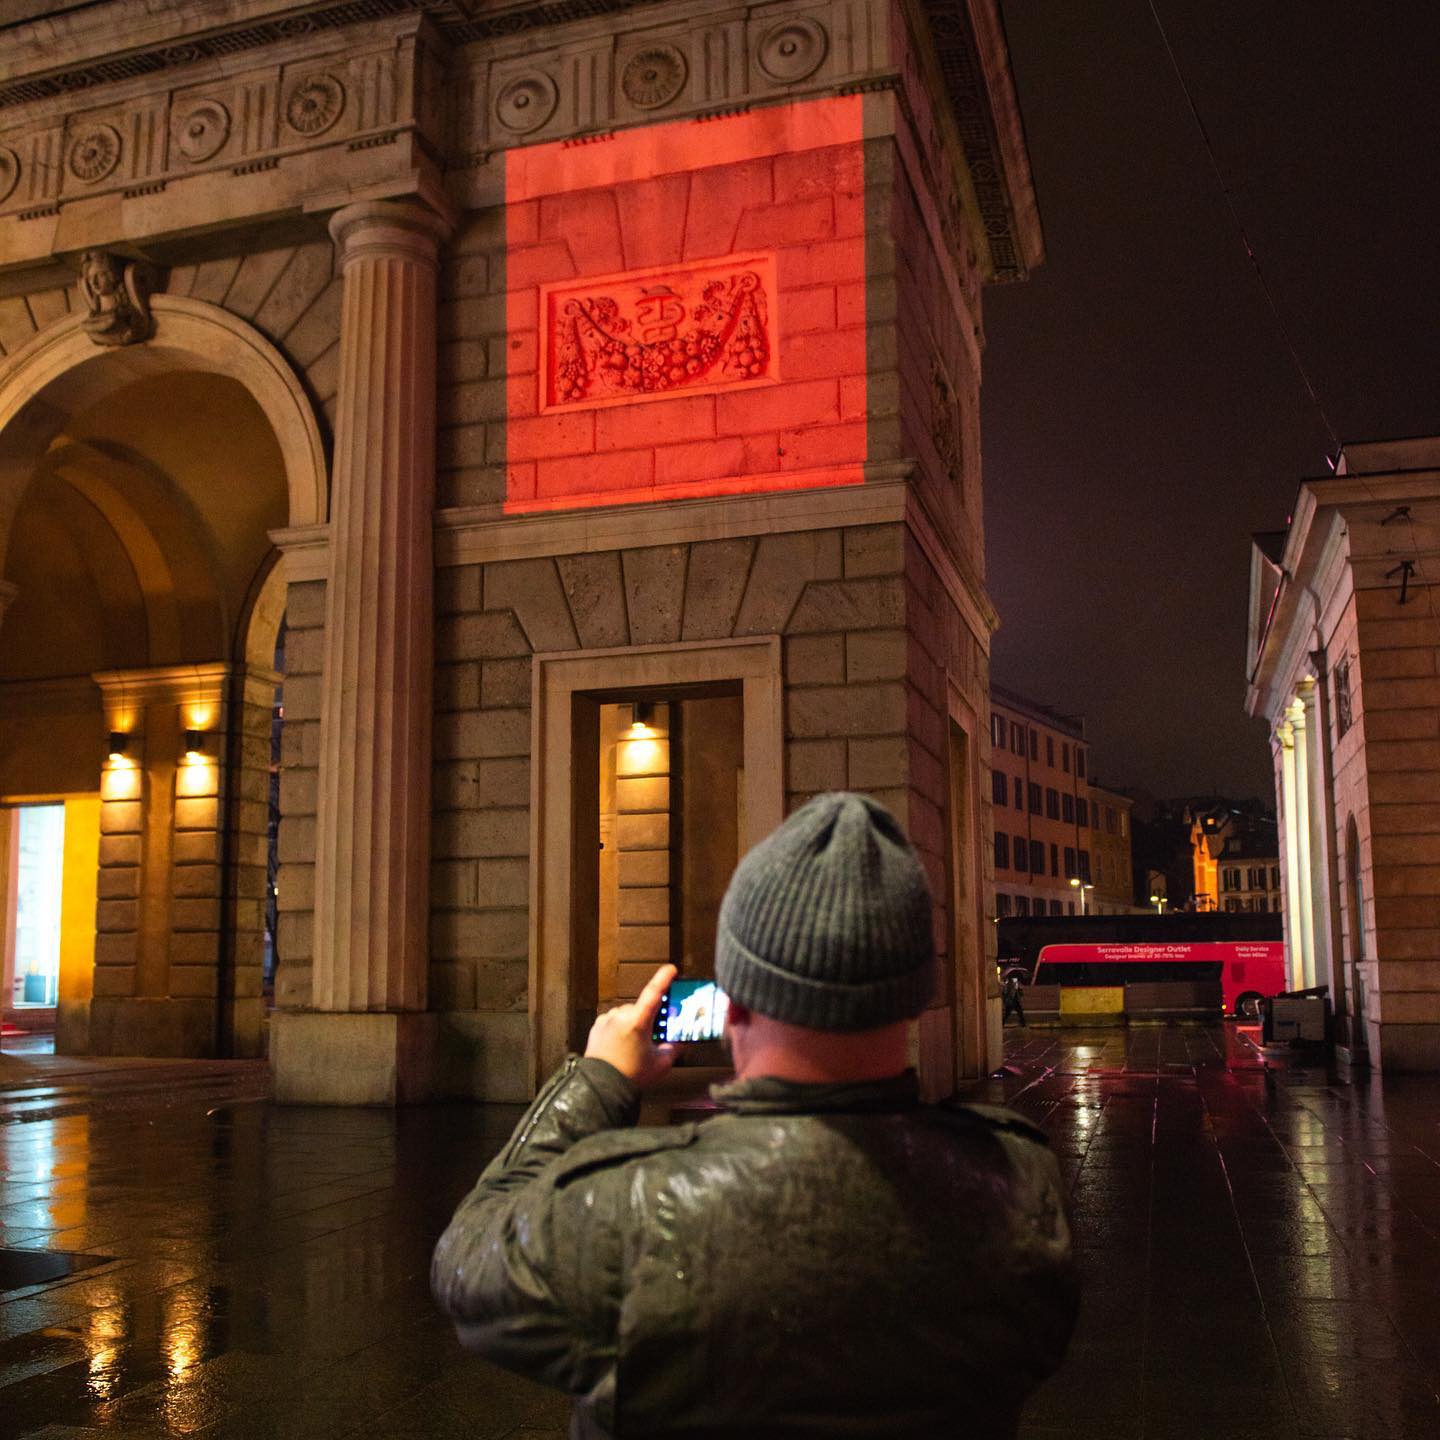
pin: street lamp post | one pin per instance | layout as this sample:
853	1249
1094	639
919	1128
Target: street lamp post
1158	901
1075	884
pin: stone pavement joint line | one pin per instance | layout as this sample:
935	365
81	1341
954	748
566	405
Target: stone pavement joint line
1259	1248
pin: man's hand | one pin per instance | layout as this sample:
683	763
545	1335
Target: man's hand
621	1036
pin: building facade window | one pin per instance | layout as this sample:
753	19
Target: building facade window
1067	808
1056	908
1019	793
1064	757
1034	745
997	731
999	787
1055	860
1002	904
1052	804
1069	861
1022	904
1085	866
1050	750
1112	826
1082	812
1021	855
1037	802
1002	851
1079	762
1037	858
1017	738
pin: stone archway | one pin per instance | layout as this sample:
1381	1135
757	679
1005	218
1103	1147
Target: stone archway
167	529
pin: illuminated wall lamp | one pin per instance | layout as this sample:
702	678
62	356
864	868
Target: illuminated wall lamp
194	745
119	745
642	716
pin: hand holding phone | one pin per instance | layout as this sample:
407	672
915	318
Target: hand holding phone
622	1037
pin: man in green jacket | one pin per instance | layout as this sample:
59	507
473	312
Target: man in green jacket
827	1256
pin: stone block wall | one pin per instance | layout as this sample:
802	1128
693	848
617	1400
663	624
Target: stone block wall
868	638
1396	694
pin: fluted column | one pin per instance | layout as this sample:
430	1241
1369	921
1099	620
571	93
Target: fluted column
373	814
1294	926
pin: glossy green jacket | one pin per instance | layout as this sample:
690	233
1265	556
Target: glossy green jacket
816	1260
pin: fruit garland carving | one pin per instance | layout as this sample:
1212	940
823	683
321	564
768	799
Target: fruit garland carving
599	354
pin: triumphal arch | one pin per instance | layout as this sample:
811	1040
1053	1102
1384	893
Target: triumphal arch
467	469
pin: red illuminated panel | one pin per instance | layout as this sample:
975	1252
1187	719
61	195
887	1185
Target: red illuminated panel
686	310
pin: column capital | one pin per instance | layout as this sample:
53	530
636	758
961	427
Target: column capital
389	229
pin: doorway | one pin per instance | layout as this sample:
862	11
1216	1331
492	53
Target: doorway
654	770
48	864
670	778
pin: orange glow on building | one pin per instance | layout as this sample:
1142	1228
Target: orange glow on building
686	310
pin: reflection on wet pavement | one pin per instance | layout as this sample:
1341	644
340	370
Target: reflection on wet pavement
1259	1249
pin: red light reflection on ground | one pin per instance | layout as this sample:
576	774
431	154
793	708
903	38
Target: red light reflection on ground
686	310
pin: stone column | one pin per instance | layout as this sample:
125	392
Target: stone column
1294	927
367	1039
1302	835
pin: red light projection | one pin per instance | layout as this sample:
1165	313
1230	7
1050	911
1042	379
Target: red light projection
625	337
685	307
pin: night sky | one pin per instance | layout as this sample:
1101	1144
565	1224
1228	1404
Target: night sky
1142	415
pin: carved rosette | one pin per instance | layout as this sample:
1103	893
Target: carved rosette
654	76
202	130
792	50
95	153
315	104
9	171
526	102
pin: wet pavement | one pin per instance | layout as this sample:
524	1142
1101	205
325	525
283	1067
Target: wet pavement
1260	1249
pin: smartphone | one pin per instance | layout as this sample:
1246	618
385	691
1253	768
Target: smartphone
690	1010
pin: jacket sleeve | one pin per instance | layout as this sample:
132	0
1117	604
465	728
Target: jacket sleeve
522	1268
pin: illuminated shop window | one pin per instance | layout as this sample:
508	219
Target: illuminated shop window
39	870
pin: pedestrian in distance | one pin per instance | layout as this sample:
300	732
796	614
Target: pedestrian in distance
1012	999
827	1256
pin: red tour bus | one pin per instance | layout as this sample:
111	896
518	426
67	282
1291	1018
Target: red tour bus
1244	952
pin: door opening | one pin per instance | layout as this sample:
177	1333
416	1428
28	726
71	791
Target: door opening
37	881
669	774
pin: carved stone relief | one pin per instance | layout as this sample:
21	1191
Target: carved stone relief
201	130
526	102
945	420
654	76
116	294
649	335
792	50
315	104
95	153
9	171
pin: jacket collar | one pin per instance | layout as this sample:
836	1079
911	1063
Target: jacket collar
766	1095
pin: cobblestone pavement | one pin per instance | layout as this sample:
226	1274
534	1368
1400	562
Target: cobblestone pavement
1260	1247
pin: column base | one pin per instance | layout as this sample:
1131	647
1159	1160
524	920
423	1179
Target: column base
370	1058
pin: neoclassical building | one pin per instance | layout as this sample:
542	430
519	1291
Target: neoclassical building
1344	664
466	470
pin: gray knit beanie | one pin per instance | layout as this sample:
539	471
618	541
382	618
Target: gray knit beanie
826	922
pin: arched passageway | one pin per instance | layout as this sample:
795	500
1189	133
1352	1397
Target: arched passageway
143	605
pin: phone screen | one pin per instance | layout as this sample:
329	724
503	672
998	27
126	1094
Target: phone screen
691	1010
